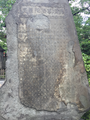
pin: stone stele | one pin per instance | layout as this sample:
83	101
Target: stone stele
45	73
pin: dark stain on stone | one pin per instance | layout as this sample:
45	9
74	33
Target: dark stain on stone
10	95
21	117
80	105
6	108
9	80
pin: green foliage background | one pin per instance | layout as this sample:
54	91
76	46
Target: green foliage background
5	7
83	31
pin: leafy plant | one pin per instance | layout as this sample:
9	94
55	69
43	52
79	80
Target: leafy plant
5	7
86	116
86	59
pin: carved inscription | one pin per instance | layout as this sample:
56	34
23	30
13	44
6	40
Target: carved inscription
46	11
43	10
42	43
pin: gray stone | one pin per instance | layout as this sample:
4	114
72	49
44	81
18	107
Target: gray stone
45	76
1	118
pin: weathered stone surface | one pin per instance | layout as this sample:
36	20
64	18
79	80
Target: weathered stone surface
1	118
46	78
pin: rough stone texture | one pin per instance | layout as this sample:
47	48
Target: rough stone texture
45	76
